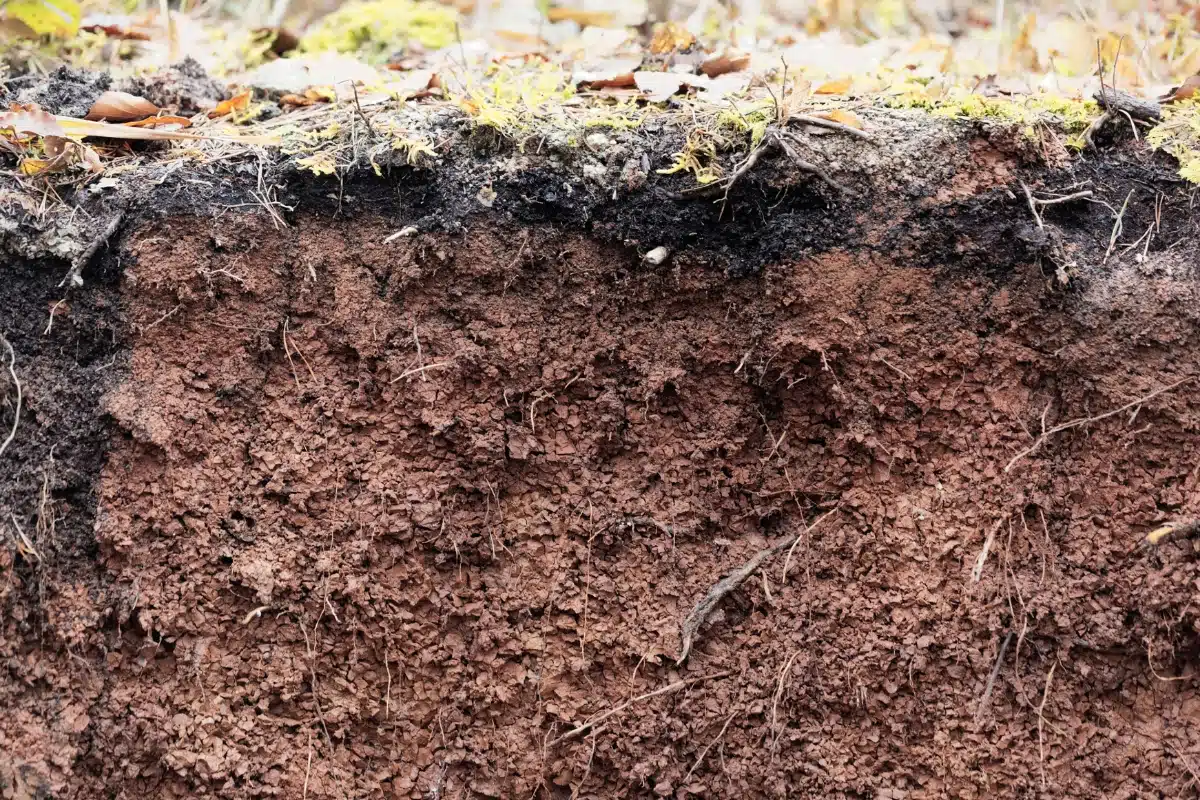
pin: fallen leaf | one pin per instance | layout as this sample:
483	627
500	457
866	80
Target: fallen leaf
715	90
121	107
155	122
671	38
847	118
1184	91
238	102
658	86
295	100
113	26
725	63
614	73
415	84
45	17
600	19
41	123
282	40
839	86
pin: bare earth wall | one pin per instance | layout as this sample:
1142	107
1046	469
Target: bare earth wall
375	519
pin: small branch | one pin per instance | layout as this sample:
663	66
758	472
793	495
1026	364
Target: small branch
1118	228
12	371
674	687
828	124
1075	423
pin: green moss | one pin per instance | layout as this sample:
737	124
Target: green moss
377	28
1179	135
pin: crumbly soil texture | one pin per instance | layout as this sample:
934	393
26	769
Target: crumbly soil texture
388	487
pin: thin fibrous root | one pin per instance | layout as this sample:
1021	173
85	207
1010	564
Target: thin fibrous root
674	687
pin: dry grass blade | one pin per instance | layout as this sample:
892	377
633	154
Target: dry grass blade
12	371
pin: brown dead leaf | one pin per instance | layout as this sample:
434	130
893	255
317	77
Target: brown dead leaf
114	26
120	107
31	120
615	73
296	100
839	86
671	38
725	63
847	118
282	40
1184	91
658	86
239	102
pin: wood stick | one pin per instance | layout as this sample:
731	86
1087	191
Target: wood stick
674	687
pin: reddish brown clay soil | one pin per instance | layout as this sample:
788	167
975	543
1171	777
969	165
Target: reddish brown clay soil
376	523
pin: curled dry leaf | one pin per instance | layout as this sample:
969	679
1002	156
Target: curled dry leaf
120	107
847	118
114	26
239	102
41	123
725	63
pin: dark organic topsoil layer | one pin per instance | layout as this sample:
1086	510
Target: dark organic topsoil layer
322	511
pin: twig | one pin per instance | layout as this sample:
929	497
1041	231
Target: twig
710	745
308	769
674	687
1041	722
74	275
358	107
1075	423
821	122
1173	530
421	370
1032	206
991	684
288	352
312	668
12	371
693	621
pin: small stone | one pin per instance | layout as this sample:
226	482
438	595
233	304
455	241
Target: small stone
597	141
656	256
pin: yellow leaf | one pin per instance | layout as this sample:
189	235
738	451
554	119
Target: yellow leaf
236	103
599	19
840	86
36	166
45	17
847	118
321	163
669	38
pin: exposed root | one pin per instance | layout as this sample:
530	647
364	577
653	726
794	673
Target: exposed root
986	700
12	372
1075	423
807	166
776	733
674	687
74	275
691	625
